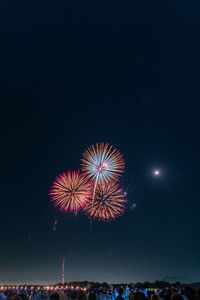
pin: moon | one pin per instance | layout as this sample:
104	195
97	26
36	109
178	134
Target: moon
156	172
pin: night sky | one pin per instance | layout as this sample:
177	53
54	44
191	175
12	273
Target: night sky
77	72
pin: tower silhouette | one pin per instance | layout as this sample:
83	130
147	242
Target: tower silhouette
63	271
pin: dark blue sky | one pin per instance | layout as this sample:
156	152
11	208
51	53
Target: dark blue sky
74	73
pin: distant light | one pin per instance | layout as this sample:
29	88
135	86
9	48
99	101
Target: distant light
156	172
133	206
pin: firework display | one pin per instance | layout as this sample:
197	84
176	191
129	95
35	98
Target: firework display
96	190
71	191
102	163
109	202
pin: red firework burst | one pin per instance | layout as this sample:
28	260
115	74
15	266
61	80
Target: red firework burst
71	191
109	202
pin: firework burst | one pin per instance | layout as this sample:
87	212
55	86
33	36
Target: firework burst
71	191
109	202
102	163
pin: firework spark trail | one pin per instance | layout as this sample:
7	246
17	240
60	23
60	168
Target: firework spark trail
93	195
71	191
109	202
102	164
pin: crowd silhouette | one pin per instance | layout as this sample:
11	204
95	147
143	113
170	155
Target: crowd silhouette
186	293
